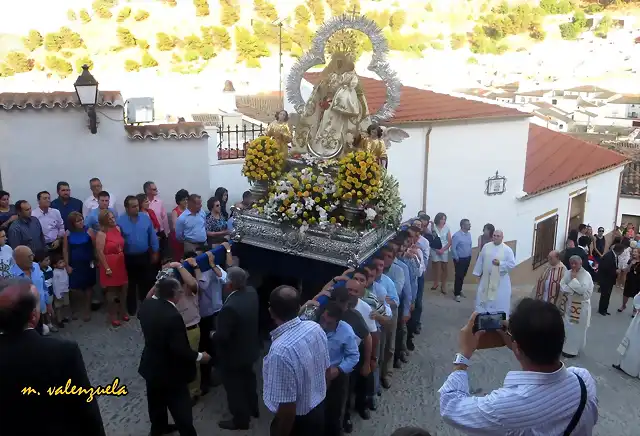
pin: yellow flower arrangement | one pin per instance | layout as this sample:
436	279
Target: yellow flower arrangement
263	161
358	177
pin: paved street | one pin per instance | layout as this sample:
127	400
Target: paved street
413	398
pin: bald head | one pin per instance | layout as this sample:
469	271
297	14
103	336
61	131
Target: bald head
284	304
554	258
23	256
498	236
18	305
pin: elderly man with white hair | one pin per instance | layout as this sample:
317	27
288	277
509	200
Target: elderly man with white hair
495	261
576	287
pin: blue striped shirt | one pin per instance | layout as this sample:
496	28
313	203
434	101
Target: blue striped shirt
294	370
528	404
343	347
390	287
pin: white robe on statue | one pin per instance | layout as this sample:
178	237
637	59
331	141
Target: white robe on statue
575	303
629	349
494	290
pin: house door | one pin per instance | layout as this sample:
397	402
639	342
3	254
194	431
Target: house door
576	211
633	219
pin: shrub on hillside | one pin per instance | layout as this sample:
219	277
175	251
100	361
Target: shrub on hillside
142	43
125	37
594	8
123	14
603	27
337	7
171	3
555	7
428	7
266	32
229	16
202	8
165	42
58	66
192	42
317	10
84	16
148	61
5	71
141	15
85	60
191	55
208	51
70	39
66	54
18	62
71	15
216	36
381	18
302	36
33	40
458	41
266	10
536	32
131	65
249	48
102	8
472	61
397	20
302	14
437	45
572	30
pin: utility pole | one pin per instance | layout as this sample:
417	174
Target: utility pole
279	23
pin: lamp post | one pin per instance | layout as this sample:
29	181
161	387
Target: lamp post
87	91
279	23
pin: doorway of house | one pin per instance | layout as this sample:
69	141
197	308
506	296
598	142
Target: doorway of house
577	206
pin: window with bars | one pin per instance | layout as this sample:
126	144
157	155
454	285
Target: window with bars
233	141
544	240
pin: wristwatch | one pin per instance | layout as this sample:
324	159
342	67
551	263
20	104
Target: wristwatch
461	360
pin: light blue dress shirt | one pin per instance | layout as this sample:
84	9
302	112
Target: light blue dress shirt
390	287
139	235
343	347
190	227
37	278
461	245
409	287
91	221
210	295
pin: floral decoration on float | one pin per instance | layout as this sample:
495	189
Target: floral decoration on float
263	161
359	178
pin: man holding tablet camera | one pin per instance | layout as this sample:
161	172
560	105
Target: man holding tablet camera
543	398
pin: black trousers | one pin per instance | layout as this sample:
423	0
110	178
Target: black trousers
605	295
334	405
311	424
242	394
461	268
140	273
207	325
175	399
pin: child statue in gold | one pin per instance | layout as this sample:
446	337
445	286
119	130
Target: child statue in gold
374	144
280	132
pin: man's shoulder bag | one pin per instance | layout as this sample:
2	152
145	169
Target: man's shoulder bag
578	414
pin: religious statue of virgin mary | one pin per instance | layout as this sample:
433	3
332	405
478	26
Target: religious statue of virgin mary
337	110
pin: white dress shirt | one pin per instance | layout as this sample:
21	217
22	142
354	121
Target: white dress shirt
92	203
528	404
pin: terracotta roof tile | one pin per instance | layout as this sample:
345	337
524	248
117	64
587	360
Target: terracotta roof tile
192	130
631	179
626	99
587	88
555	159
421	105
50	100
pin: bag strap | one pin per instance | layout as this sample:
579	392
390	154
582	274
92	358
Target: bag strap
578	414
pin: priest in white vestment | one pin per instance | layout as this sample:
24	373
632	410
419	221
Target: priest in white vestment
629	349
548	286
493	265
575	303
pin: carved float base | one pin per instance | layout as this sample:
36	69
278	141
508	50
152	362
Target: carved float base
336	245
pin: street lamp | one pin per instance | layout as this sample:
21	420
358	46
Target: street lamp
279	23
87	91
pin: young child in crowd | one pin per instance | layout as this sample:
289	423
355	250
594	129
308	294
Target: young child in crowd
42	258
6	255
61	303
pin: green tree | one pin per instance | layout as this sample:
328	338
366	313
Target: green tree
52	42
458	41
302	36
102	9
472	61
568	31
266	32
317	10
70	39
141	15
229	14
5	71
58	66
208	51
164	42
556	7
171	3
202	8
594	8
148	61
142	43
191	55
502	8
603	27
84	16
428	7
266	10
33	40
125	37
397	20
71	15
216	36
192	42
131	65
249	48
85	60
123	14
302	14
536	32
437	45
19	62
66	54
337	7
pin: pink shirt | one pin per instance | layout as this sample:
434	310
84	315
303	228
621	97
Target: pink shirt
51	223
157	206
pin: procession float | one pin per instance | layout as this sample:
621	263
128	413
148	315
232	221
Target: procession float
322	195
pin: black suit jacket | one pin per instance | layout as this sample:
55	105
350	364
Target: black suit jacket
30	360
608	268
167	357
577	251
236	335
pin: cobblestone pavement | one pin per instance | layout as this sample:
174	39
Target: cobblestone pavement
413	398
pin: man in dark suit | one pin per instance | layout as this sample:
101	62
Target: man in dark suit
608	270
29	360
168	364
238	347
583	241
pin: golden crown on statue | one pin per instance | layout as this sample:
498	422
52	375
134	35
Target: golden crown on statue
343	42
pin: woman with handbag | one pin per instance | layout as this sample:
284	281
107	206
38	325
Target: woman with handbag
440	251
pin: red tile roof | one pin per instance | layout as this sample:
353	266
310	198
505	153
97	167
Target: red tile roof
50	100
555	159
421	105
183	130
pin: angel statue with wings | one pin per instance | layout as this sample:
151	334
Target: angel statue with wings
377	141
336	110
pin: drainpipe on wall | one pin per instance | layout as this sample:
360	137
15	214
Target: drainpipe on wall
427	143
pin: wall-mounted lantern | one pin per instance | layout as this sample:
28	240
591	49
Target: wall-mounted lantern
496	185
87	90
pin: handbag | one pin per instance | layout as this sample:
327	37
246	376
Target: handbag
435	242
576	416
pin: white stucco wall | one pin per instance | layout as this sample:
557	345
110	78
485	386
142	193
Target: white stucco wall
38	148
628	206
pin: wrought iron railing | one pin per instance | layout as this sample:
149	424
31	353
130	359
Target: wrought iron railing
233	141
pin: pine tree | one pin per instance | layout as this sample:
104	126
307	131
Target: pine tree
19	62
33	40
148	61
317	10
249	48
302	14
125	37
265	10
164	42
